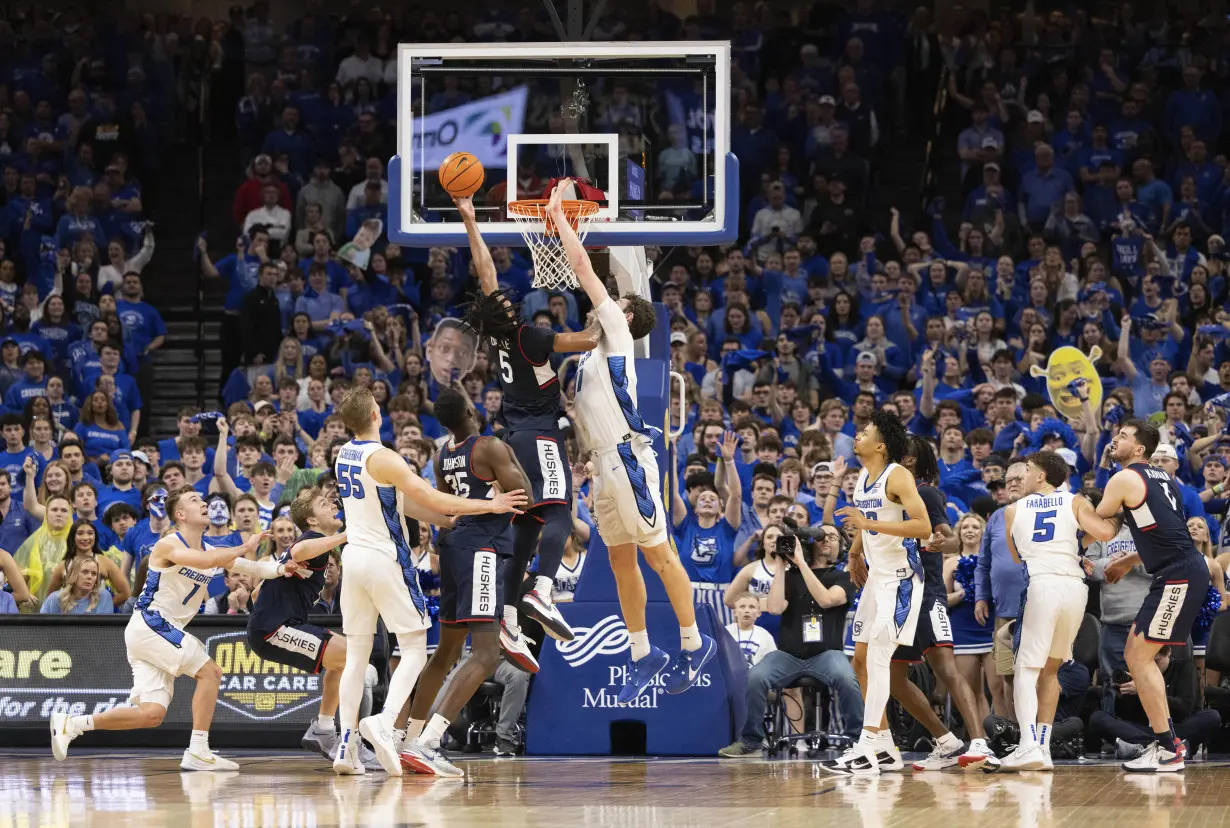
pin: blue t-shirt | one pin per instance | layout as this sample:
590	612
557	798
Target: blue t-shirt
14	463
139	541
16	525
707	554
100	440
109	494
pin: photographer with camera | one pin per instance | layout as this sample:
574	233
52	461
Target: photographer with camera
1128	727
812	597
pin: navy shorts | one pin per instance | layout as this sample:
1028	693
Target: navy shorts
545	460
471	586
296	645
1173	602
934	630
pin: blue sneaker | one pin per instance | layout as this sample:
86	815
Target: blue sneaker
685	668
641	674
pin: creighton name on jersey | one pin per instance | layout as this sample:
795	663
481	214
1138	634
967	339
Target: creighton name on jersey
1045	532
888	556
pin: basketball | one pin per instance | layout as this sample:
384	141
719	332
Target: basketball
461	174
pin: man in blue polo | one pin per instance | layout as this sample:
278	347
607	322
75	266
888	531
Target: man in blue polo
999	580
1042	187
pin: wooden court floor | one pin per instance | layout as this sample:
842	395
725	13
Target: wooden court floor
122	789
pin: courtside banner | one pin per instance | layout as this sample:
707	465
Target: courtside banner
79	665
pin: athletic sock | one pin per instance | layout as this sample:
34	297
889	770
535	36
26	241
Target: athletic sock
884	740
325	723
689	638
949	742
1044	736
510	619
199	743
543	586
1167	738
82	724
415	728
434	732
640	644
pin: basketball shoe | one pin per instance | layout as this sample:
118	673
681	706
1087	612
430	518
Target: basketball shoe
63	731
859	760
515	647
205	760
377	731
684	669
1025	758
640	674
541	608
347	761
1157	759
322	740
429	761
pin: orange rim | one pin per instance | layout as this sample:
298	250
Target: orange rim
535	209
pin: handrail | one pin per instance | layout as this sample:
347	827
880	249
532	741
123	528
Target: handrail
938	107
199	301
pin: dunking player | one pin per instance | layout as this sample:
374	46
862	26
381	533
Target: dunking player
377	489
1153	510
530	416
1043	529
278	628
627	498
885	555
158	648
933	637
470	586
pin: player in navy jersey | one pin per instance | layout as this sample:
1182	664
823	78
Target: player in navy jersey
1153	510
471	552
933	636
530	418
278	628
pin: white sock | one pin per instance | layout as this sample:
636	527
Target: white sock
414	728
689	638
434	732
83	724
543	586
640	644
884	739
199	742
325	723
949	741
869	740
1044	735
510	619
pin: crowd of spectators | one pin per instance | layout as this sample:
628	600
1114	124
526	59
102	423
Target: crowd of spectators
1094	205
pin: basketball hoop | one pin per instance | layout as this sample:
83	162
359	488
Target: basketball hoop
551	267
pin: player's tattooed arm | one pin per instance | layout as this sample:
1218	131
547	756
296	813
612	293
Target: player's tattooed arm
488	281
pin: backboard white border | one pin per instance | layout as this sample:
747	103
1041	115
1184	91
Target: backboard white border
410	226
611	140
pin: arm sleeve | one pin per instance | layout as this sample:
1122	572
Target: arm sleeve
537	344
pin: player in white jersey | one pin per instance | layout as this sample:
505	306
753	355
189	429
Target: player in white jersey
1043	531
627	497
377	489
159	650
888	517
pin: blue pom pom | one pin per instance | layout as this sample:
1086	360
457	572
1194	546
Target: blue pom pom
1208	610
964	575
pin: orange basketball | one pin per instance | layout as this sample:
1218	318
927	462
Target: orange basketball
461	174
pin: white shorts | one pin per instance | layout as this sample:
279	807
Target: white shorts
876	615
374	585
627	498
158	654
1051	618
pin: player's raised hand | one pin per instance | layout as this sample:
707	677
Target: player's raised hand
727	446
465	206
514	501
555	206
291	568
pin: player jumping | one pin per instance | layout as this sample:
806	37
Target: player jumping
377	490
627	497
885	555
159	650
530	416
470	586
1153	510
1043	531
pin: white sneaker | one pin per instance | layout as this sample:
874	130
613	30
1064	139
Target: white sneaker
888	757
320	740
859	760
515	647
1029	757
941	758
979	755
542	609
1048	764
428	761
205	761
346	762
1157	759
62	732
399	738
380	735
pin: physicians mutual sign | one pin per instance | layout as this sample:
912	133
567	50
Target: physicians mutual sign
480	127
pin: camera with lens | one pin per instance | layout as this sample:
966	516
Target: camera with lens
805	535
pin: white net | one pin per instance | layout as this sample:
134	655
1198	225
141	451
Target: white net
551	268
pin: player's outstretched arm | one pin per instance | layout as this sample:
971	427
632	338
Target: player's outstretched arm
902	489
575	341
390	469
305	550
167	549
487	279
577	257
1087	518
